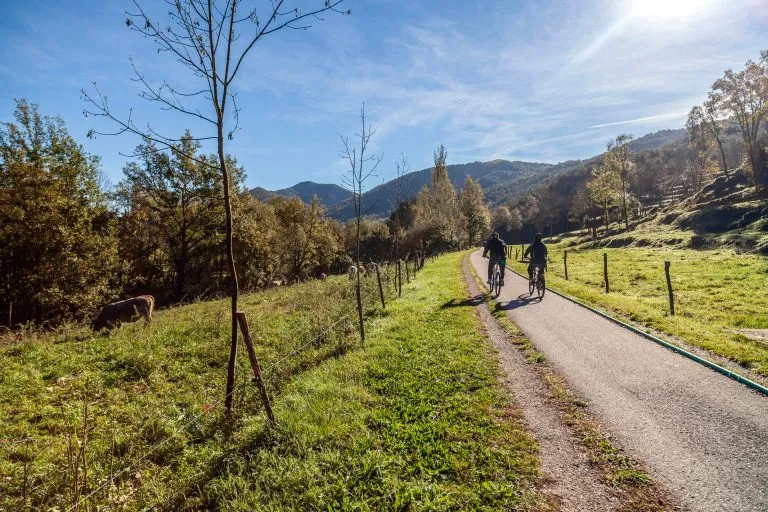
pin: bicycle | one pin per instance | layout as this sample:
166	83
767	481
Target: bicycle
496	280
537	281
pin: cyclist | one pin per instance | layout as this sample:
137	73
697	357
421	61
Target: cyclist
538	252
498	250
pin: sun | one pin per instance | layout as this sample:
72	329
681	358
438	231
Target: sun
668	9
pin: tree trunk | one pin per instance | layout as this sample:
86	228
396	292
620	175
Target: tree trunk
232	271
624	203
722	157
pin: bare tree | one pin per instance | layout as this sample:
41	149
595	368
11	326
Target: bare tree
403	184
362	166
205	37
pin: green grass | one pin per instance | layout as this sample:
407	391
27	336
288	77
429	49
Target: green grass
716	292
414	420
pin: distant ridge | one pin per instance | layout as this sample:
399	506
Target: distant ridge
502	181
327	193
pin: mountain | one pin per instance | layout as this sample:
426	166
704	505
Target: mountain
659	139
378	201
328	194
502	181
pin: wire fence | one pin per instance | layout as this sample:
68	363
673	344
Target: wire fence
313	338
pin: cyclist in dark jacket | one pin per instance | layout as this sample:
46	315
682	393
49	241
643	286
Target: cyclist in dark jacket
498	250
538	253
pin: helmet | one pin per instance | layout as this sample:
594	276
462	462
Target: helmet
495	236
538	237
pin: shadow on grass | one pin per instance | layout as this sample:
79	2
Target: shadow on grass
521	301
474	301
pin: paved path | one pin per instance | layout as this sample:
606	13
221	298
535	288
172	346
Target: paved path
704	435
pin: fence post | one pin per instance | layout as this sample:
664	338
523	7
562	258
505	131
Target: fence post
565	263
381	290
360	313
669	289
399	279
407	272
522	251
255	365
605	272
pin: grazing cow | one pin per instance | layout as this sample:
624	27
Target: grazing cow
370	268
361	269
275	284
323	277
352	272
128	310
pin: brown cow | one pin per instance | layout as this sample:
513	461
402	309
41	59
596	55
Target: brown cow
128	310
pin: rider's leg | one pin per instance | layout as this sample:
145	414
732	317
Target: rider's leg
490	268
530	271
503	265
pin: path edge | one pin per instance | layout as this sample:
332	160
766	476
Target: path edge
670	346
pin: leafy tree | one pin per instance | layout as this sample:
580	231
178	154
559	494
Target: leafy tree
704	127
745	95
375	239
439	221
178	197
618	161
256	237
59	250
604	189
306	239
474	210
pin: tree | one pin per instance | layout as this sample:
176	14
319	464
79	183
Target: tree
602	189
204	36
402	187
179	197
745	96
361	167
618	161
474	210
704	126
439	220
58	254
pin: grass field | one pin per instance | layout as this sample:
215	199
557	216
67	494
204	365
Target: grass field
717	292
414	420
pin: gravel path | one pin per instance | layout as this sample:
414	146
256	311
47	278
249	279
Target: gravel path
703	435
569	477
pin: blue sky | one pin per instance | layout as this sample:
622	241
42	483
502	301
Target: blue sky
525	80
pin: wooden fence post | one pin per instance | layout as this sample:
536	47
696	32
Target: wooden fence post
360	313
407	272
381	290
399	279
255	365
605	272
522	251
565	263
669	289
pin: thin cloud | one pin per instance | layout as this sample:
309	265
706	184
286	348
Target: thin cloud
642	120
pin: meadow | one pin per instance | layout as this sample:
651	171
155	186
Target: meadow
413	420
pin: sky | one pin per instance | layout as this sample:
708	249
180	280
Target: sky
531	80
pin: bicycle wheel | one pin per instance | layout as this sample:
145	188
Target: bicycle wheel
532	282
497	280
541	285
